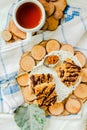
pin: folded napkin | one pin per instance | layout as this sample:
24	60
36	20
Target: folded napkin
72	28
10	97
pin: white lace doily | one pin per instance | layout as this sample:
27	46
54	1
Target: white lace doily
61	89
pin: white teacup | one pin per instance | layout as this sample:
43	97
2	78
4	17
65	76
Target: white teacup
25	13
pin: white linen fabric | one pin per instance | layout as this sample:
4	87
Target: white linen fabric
72	30
78	3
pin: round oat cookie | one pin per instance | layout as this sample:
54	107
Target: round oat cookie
6	35
81	57
52	45
49	8
84	75
60	4
22	79
81	91
52	23
38	52
56	109
27	63
73	105
28	94
58	14
68	47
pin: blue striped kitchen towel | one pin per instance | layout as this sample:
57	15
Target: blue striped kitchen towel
71	29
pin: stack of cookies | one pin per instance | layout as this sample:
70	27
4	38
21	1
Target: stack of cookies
54	12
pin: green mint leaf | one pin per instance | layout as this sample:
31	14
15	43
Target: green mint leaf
30	117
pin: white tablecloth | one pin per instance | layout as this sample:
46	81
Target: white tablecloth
7	121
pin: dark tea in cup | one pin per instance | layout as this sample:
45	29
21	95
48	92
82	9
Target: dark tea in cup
29	15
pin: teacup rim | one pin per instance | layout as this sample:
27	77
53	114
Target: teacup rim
42	21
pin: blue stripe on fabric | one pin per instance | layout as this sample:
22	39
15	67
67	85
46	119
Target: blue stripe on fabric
68	18
70	13
66	9
10	77
75	13
0	96
1	101
75	10
10	89
18	0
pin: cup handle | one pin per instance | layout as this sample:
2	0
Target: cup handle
29	35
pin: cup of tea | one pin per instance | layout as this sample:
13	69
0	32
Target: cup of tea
29	16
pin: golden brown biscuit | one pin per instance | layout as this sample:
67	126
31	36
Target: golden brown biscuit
28	94
58	14
73	105
46	94
68	48
22	79
81	91
49	8
60	4
68	72
52	45
42	1
84	75
27	63
13	29
81	57
15	37
56	109
7	36
38	52
52	23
